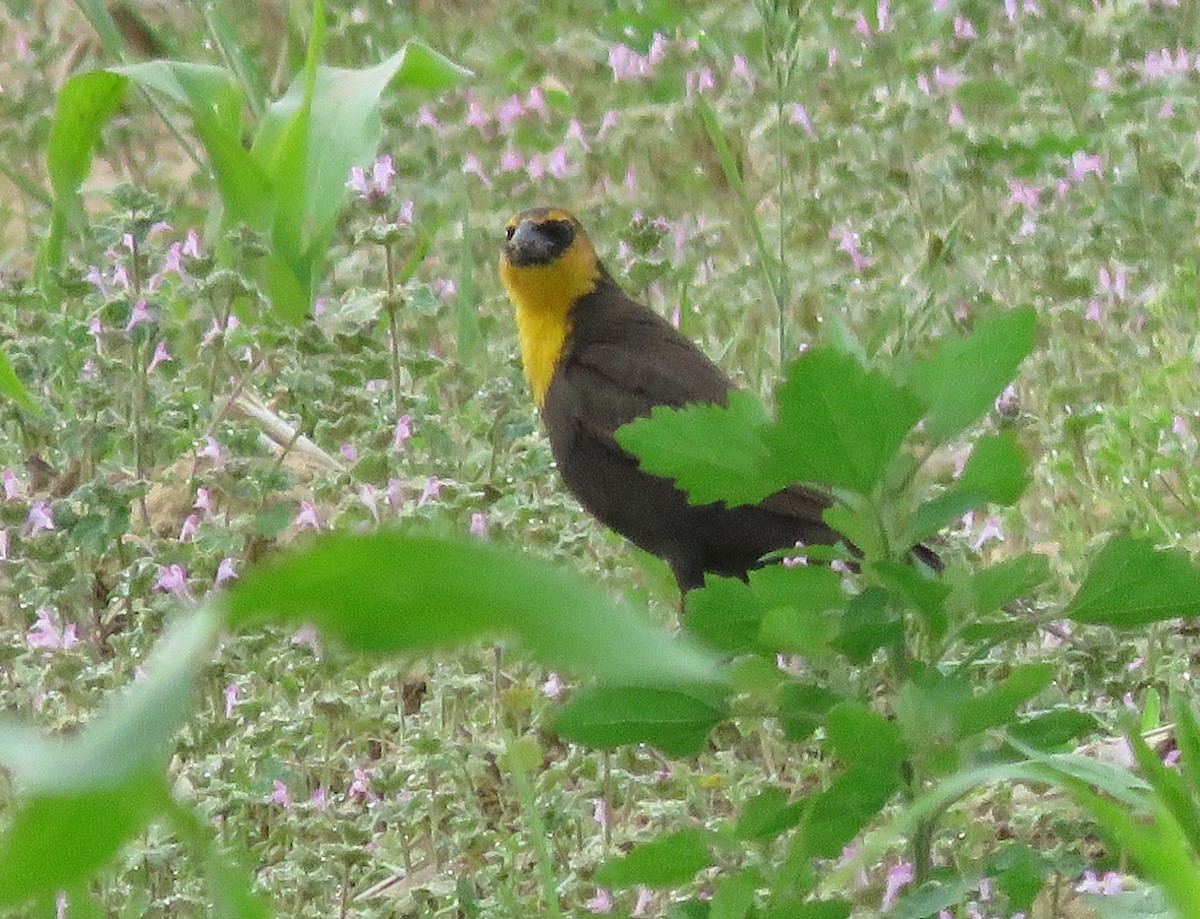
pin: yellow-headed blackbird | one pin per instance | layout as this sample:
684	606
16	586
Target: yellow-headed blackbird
595	360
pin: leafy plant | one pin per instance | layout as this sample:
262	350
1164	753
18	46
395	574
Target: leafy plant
291	182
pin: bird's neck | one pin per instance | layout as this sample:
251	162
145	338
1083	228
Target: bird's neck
543	296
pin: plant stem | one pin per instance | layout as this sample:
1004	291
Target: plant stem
393	332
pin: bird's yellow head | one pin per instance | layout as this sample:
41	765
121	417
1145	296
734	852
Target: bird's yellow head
547	263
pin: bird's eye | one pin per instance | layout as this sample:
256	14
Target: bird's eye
509	231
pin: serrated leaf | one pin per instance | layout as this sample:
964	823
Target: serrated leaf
839	424
666	862
1131	583
995	587
733	897
868	623
676	720
767	814
995	473
802	708
926	595
837	815
998	706
725	615
713	452
961	380
387	592
865	737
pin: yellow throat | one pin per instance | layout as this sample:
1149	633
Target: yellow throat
542	296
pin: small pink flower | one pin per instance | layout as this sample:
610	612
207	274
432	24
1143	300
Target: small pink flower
472	166
203	501
161	355
187	532
989	533
601	903
404	216
553	687
350	452
426	119
699	81
40	518
861	26
307	518
172	579
191	244
599	812
791	561
1084	163
798	114
306	635
139	313
1094	311
360	788
897	877
644	900
1179	426
955	119
557	164
232	697
403	432
575	133
12	486
3	545
395	494
945	79
225	572
45	634
963	28
508	112
1108	885
607	123
1102	79
535	101
433	490
280	794
1022	194
478	526
445	288
741	71
1007	400
320	798
848	243
478	119
211	450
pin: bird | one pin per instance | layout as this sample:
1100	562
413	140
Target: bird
596	359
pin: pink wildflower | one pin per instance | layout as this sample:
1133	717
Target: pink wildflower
225	572
40	518
172	579
307	518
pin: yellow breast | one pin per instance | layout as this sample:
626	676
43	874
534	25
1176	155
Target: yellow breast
542	296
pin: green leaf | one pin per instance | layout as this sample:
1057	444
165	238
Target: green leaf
995	473
994	588
963	377
811	909
868	624
713	452
387	592
733	896
835	816
81	799
803	707
11	385
1187	739
926	595
1054	729
998	706
767	814
838	424
676	720
85	103
800	607
725	615
865	737
669	861
931	898
1131	584
1020	874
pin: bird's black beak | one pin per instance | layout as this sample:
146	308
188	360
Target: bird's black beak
527	244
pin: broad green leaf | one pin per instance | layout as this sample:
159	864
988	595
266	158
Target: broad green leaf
803	707
1131	583
963	377
865	737
931	898
1020	874
11	385
1187	739
669	861
800	607
839	424
1172	792
767	814
725	615
733	896
677	720
200	89
869	623
995	473
388	592
998	706
835	816
926	595
809	909
995	587
713	452
1062	727
81	799
85	103
59	838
